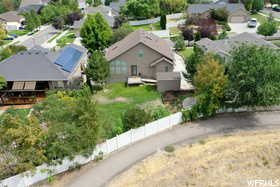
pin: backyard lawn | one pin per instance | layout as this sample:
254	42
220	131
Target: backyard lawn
148	27
68	38
116	98
18	32
186	53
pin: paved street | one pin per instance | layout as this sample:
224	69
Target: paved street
40	37
103	172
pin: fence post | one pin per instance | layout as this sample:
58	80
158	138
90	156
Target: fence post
117	141
131	134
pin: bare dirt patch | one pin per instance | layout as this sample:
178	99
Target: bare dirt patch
227	161
104	100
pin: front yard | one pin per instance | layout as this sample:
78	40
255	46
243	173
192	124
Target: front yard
116	98
148	27
261	19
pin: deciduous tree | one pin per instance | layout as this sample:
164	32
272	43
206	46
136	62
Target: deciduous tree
96	33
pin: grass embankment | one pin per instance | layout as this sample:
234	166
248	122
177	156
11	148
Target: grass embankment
116	98
219	161
148	27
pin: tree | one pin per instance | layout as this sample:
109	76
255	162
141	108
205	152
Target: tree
135	117
121	32
268	28
220	14
58	23
107	2
191	63
188	34
210	82
3	32
172	6
179	43
141	9
254	76
96	33
3	82
257	5
72	17
32	20
163	22
98	68
197	36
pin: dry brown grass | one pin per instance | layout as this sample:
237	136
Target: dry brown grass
227	161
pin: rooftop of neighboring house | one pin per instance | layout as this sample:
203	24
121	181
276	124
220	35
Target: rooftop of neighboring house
137	37
25	3
116	5
102	9
201	8
40	64
225	46
11	16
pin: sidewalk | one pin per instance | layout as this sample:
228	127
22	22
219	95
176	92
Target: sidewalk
103	172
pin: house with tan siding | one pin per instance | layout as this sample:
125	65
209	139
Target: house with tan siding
140	54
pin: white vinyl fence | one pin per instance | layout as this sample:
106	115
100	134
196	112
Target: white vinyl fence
175	16
144	22
127	138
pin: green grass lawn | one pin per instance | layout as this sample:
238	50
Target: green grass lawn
174	31
54	37
261	19
148	27
68	38
118	98
186	53
276	42
18	32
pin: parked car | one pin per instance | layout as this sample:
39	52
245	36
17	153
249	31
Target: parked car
13	35
8	38
276	8
252	23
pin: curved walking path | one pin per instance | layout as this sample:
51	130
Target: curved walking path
117	162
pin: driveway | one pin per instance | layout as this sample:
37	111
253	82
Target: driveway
267	11
101	174
242	27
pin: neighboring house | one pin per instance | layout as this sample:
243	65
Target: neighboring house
108	13
11	20
31	73
224	47
237	12
117	5
140	54
28	5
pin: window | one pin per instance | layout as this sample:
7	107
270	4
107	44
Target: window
118	67
167	68
140	54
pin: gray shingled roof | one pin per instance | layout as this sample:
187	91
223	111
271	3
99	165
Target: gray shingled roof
36	64
225	46
118	5
201	8
28	8
11	16
140	36
25	3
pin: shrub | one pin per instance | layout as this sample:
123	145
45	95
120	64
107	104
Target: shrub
135	117
268	28
197	36
169	148
160	112
163	22
179	43
220	14
188	34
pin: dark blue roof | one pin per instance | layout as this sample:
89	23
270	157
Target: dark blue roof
69	59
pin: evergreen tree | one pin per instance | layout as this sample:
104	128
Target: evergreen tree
98	68
163	22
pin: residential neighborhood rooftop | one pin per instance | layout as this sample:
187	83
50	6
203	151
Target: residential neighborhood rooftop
201	8
11	16
38	64
140	36
226	45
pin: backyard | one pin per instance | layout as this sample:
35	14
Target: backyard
186	53
116	98
148	27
